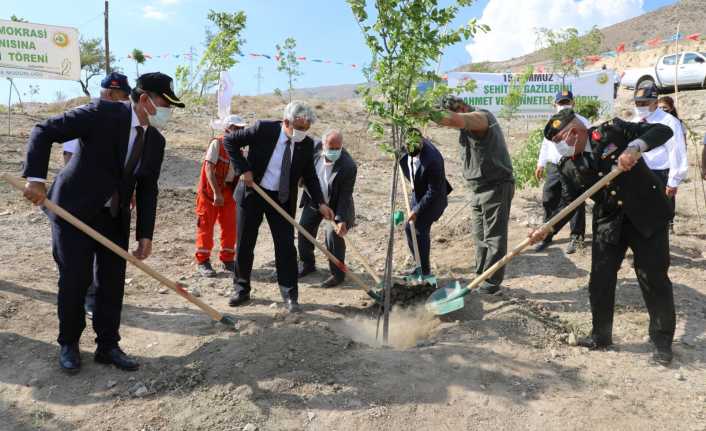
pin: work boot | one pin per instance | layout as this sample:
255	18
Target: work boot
540	246
332	281
70	358
229	266
206	270
574	244
306	269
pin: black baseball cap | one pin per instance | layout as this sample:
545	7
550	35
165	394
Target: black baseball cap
116	81
646	93
159	83
563	95
558	121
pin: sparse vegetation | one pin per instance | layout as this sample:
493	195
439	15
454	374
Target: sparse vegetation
287	62
524	161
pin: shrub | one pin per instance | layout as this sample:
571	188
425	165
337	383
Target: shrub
524	161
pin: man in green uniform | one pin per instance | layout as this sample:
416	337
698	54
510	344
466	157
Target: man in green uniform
631	211
487	169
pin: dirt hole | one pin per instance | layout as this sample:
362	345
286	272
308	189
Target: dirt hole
408	327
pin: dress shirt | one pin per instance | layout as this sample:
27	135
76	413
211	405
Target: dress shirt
324	171
270	181
671	155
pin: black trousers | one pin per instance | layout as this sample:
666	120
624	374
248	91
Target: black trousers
251	211
490	216
555	197
82	261
651	267
663	175
423	227
311	220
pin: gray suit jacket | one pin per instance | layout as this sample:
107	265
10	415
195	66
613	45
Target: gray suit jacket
340	188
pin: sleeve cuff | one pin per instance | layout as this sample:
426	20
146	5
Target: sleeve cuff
639	144
36	180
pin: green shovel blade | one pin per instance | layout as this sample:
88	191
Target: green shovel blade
447	299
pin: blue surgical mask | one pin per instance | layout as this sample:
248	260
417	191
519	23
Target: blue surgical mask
161	117
332	155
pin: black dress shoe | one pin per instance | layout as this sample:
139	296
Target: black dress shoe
305	269
70	358
592	343
489	289
663	356
541	246
116	357
239	297
332	281
292	306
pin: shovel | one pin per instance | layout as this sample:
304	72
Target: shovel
83	227
342	266
450	298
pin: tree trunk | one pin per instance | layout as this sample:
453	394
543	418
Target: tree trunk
84	87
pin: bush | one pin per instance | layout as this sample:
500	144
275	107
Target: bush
591	109
524	161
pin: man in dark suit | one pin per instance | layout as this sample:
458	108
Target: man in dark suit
279	155
336	172
423	167
631	211
120	151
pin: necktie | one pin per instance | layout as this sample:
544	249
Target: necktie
129	172
284	173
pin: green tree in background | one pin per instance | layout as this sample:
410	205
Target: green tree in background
139	58
221	46
567	46
92	54
287	62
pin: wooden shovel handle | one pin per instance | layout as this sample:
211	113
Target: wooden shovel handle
83	227
413	231
548	225
342	266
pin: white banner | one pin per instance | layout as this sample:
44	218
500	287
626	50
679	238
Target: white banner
37	51
225	95
539	92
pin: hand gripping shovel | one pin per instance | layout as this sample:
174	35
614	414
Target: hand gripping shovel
450	298
342	266
83	227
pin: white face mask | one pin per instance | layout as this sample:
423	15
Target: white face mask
565	149
642	112
560	108
161	117
298	136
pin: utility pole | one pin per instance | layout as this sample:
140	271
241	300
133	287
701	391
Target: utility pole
259	77
107	45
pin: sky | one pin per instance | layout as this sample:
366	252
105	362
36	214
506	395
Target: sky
324	29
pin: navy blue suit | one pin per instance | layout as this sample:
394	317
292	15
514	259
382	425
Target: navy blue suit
83	187
429	197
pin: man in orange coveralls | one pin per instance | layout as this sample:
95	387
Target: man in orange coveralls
214	201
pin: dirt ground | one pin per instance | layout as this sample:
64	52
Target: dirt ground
503	362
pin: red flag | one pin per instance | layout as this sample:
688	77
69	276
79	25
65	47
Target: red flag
620	48
694	37
301	58
148	56
654	42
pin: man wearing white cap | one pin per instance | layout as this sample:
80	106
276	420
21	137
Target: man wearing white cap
214	202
